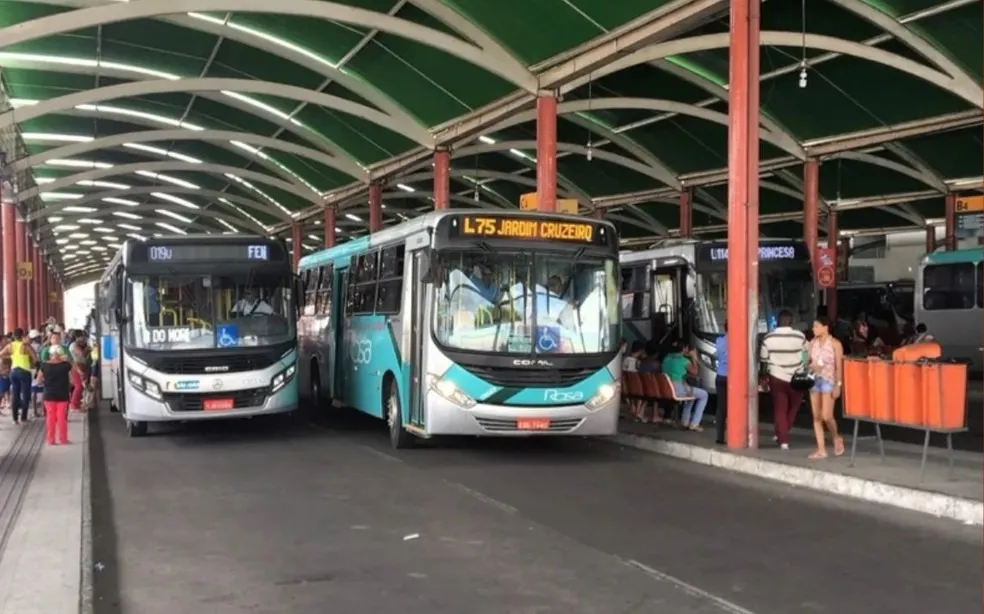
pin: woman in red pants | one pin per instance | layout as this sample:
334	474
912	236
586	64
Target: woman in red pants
56	375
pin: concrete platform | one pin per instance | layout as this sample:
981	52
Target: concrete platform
42	497
893	481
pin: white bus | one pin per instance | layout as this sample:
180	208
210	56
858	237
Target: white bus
468	323
679	290
950	300
198	328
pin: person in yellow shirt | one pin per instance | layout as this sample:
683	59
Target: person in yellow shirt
22	360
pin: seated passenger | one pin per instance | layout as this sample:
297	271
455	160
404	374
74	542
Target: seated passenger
680	363
630	364
922	335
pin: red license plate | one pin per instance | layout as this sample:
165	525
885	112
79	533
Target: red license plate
218	404
533	424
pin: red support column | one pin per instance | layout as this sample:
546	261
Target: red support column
442	179
9	266
686	213
29	284
21	252
930	239
811	208
950	223
742	314
329	230
546	152
296	247
39	284
375	207
832	241
35	285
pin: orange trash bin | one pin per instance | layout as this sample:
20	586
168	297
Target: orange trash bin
880	389
856	388
944	394
908	394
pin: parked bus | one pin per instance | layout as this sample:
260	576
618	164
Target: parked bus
888	307
468	323
949	293
679	290
198	328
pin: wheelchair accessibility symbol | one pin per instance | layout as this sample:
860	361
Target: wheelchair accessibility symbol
227	336
547	338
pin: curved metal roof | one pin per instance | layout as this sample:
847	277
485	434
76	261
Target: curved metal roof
163	116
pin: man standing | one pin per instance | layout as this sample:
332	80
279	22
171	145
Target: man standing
783	352
721	385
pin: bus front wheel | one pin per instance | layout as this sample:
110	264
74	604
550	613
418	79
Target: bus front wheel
400	438
135	428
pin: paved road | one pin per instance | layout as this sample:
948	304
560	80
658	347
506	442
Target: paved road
291	516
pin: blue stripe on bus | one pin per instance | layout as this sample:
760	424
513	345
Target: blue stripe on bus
484	392
343	251
975	254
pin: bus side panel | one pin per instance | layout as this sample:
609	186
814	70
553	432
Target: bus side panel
484	392
334	351
372	350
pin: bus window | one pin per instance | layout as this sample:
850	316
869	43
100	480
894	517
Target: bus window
364	291
949	286
390	280
665	291
323	290
635	293
311	278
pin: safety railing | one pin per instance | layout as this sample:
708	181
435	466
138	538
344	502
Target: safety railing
914	390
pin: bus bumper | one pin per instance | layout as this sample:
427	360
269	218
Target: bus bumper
142	408
447	418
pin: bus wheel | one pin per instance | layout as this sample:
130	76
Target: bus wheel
400	438
135	428
317	396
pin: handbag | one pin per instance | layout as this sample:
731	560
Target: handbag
802	380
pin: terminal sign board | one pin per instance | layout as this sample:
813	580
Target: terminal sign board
969	217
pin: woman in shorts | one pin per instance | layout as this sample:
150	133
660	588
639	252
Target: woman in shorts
826	356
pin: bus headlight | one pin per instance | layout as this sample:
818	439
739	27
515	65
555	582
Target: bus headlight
281	379
447	389
606	392
144	385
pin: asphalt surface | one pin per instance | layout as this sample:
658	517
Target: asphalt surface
307	515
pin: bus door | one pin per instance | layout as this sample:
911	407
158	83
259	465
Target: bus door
669	297
417	322
337	330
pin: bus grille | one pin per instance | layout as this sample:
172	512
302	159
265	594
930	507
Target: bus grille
193	365
254	397
509	426
531	378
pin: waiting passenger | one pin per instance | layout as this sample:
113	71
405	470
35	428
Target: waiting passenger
827	365
721	385
630	364
678	365
22	358
783	353
55	375
922	335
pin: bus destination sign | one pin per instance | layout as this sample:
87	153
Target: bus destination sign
205	253
769	252
522	228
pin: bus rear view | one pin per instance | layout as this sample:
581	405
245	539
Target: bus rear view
199	328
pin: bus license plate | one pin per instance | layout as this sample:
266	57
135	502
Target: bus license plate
218	404
533	424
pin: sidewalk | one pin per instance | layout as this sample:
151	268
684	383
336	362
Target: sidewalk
42	491
894	481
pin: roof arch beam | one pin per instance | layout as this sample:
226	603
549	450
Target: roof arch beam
292	53
343	164
666	174
607	156
706	42
624	141
98	197
427	197
48	227
222	138
858	156
462	25
170	166
905	35
211	84
95	16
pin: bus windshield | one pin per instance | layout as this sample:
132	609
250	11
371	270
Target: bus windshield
789	288
529	303
173	312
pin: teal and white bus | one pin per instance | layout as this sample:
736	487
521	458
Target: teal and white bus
468	323
950	300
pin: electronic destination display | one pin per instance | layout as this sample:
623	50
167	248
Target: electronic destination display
768	252
178	253
529	229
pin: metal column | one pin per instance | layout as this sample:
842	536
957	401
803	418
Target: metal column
950	221
20	237
375	207
329	226
811	208
546	152
832	242
296	247
743	225
38	294
687	213
442	179
30	320
9	266
930	239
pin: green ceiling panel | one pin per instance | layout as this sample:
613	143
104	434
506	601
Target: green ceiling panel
959	32
237	61
331	41
957	153
772	201
685	144
645	81
821	18
149	36
851	179
230	116
338	129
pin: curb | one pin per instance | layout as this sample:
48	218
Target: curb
86	601
967	511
